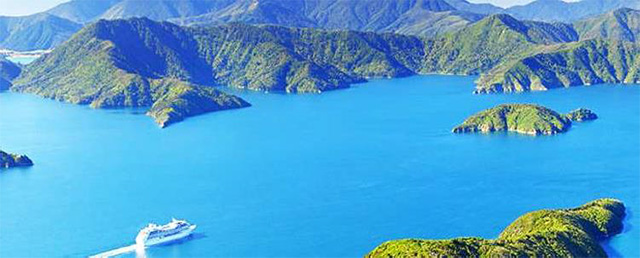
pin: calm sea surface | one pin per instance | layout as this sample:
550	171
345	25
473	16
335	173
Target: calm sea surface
329	175
21	60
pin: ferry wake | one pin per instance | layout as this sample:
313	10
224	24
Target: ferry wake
154	235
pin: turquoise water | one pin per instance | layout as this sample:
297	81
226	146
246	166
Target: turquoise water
22	60
329	175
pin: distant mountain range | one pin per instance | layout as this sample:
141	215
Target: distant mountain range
413	17
137	62
623	24
340	14
561	11
38	31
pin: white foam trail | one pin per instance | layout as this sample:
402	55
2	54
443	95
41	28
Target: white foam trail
119	251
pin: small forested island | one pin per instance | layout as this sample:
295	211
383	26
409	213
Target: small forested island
546	233
582	114
523	118
8	160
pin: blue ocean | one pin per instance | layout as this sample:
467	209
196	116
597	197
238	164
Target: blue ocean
328	175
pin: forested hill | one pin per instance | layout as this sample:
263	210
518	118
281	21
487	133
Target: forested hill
622	24
270	57
120	63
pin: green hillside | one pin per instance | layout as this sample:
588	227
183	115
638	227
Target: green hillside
546	233
583	63
93	71
521	118
622	24
483	45
268	58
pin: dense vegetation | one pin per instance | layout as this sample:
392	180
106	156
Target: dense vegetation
520	118
608	53
8	160
113	63
581	114
269	57
546	233
621	24
92	70
483	45
583	63
180	100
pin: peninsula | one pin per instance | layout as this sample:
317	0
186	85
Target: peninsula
546	233
523	118
8	160
116	63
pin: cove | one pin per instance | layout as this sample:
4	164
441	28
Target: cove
329	175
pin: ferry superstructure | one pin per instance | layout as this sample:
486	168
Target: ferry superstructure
159	234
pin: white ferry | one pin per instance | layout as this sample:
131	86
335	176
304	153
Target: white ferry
155	234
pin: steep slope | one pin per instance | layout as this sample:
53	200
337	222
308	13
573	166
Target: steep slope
481	46
620	24
416	17
464	5
253	12
259	58
545	233
82	11
8	72
583	63
558	10
273	58
267	58
368	15
163	9
427	23
106	67
38	31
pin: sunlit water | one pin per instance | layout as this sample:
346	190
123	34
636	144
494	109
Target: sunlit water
310	175
22	60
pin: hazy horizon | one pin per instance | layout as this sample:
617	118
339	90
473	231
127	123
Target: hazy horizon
15	8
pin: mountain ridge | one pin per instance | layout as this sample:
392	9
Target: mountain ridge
620	24
34	32
561	11
581	63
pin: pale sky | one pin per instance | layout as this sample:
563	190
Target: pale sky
509	3
26	7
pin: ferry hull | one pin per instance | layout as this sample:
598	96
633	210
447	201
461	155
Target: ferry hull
164	240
